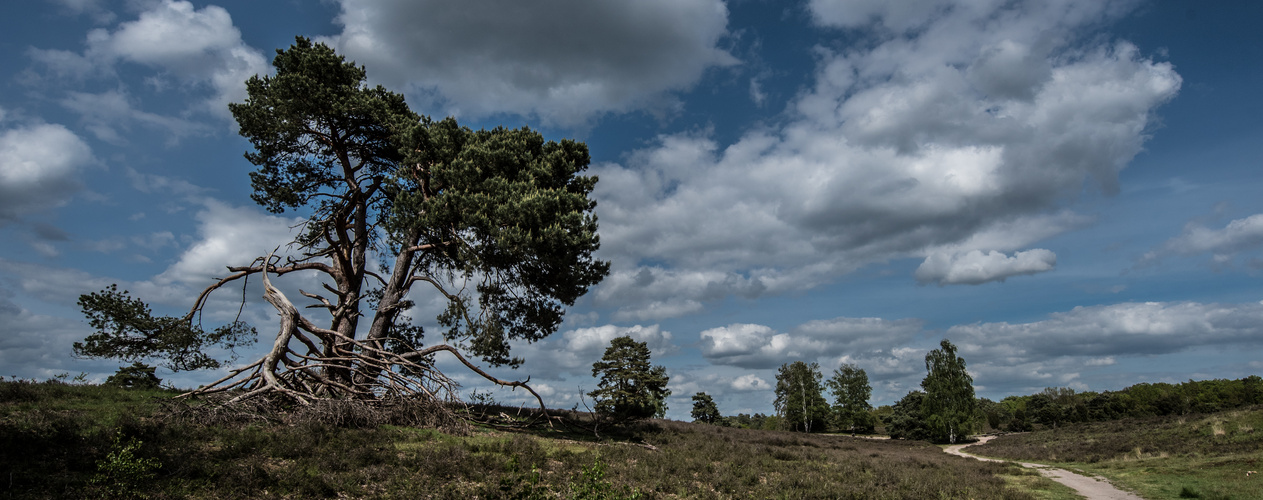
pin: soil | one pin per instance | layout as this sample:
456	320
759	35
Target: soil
1092	488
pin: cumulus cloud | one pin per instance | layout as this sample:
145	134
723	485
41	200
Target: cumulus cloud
39	165
594	340
197	47
1223	244
960	121
573	351
976	267
565	61
1004	358
1132	328
750	382
227	236
761	347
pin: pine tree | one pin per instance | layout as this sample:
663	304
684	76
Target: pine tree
496	224
629	387
704	409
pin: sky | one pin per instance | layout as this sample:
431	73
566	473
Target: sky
1067	190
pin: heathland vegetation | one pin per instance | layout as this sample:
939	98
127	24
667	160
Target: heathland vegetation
66	440
1190	455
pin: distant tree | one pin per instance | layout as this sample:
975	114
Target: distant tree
850	388
949	394
136	376
495	224
629	387
704	409
1043	410
906	420
1020	422
996	415
798	397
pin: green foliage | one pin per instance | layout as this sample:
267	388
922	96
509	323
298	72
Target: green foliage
126	329
704	409
1058	406
629	387
122	471
498	222
948	407
504	207
850	388
798	397
907	420
591	484
136	376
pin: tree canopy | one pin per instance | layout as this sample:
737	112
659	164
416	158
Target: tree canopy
798	397
948	406
497	223
850	388
628	386
704	409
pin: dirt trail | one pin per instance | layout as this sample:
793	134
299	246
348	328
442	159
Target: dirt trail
1092	488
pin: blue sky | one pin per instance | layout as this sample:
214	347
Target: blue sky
1066	189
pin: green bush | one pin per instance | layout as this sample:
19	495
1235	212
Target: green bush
136	376
122	471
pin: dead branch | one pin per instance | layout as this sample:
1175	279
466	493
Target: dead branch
306	377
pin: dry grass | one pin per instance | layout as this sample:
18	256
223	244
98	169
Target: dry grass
51	441
1195	456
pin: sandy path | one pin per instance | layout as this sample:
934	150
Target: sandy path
1092	488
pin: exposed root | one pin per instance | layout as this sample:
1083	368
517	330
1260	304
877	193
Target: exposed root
296	370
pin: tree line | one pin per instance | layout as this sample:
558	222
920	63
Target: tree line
945	408
1056	406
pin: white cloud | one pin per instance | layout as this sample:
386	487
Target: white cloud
228	236
195	47
573	351
1132	328
199	46
761	347
947	138
565	61
750	382
39	165
594	340
976	267
1237	236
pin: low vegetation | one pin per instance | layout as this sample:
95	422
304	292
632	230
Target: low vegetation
1187	456
62	440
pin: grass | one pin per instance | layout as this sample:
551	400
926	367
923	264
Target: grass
1191	456
74	441
1040	487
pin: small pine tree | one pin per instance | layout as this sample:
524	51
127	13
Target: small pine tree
704	409
136	376
629	387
